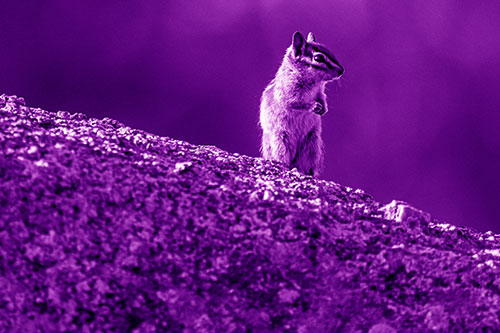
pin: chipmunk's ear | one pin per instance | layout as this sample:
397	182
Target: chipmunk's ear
297	43
310	37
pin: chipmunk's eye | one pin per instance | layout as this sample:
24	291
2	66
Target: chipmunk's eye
319	58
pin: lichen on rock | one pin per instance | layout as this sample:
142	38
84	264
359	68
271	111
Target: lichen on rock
107	228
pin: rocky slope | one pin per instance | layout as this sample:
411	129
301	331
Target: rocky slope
104	228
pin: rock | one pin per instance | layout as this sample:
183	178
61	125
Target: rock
381	328
400	211
108	228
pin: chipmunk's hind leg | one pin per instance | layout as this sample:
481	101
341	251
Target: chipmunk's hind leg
277	148
310	154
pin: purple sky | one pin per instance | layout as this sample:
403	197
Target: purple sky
415	117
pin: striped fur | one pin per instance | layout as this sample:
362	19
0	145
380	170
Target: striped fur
292	105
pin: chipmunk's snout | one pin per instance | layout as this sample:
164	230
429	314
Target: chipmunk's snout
340	71
336	72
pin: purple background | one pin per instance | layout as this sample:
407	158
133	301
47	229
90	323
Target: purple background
415	117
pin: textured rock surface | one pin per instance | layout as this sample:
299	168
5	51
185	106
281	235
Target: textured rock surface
105	228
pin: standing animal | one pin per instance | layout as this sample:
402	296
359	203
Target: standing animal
293	103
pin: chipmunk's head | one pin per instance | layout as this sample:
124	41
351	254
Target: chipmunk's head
312	59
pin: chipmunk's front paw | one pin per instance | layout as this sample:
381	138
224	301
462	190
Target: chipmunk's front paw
318	108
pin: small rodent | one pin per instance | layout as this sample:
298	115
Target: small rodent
293	103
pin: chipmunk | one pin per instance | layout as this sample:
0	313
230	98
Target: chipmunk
293	103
